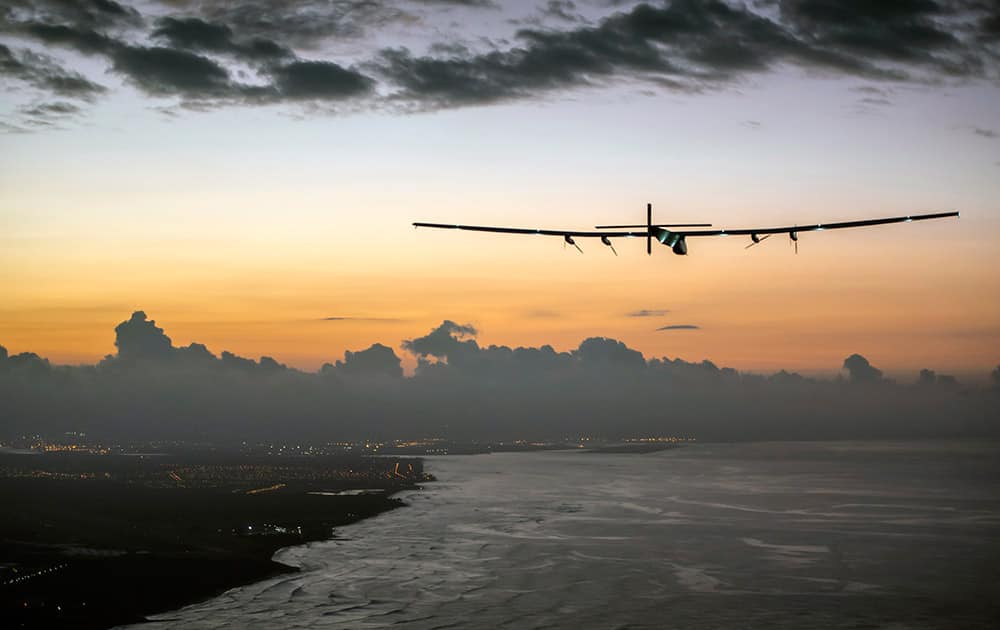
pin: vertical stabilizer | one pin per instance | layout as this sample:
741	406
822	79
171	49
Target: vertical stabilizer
649	229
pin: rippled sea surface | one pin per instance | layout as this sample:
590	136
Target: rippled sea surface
778	535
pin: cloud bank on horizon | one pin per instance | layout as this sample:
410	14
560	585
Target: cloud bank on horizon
151	389
418	55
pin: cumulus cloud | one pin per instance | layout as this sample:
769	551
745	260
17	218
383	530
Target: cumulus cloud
377	360
927	377
141	338
447	340
860	370
195	352
601	351
152	389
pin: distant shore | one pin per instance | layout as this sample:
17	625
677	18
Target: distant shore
97	553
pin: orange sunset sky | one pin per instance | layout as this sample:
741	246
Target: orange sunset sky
245	227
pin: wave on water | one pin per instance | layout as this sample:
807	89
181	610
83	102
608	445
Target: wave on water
560	540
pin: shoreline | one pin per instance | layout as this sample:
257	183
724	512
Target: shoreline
270	568
94	554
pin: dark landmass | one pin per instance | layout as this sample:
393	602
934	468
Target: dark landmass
97	541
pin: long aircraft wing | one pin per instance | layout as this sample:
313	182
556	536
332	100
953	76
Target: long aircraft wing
510	230
789	229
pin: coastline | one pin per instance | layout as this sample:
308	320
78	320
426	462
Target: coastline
247	571
100	555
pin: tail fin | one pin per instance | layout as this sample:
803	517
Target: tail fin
649	229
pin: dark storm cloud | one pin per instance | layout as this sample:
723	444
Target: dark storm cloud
679	327
908	32
318	80
84	40
165	71
156	70
103	13
546	60
151	389
199	35
45	73
188	67
292	79
303	23
648	312
201	51
690	45
562	10
684	43
195	34
989	26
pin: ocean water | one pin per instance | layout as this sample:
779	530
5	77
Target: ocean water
776	535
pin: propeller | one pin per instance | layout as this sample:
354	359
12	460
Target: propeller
795	240
569	240
607	241
757	240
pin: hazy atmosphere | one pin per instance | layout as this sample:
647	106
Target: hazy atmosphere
490	314
151	389
248	172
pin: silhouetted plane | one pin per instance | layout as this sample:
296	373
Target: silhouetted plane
676	239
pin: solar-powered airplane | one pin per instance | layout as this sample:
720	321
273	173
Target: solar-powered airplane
675	235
